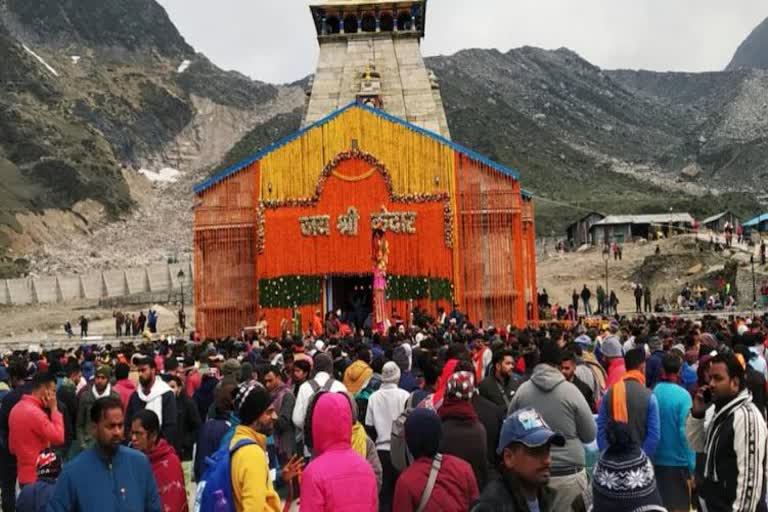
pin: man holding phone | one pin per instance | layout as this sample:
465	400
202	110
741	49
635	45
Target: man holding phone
34	425
733	442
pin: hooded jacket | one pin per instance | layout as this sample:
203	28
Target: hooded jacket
338	479
169	477
464	436
564	409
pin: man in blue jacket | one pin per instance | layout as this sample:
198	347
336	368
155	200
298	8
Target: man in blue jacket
108	477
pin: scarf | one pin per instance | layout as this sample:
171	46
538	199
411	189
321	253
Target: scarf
277	397
106	393
154	400
359	440
442	382
455	408
619	402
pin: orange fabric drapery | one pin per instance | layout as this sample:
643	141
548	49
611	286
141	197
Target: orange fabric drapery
225	248
288	252
491	261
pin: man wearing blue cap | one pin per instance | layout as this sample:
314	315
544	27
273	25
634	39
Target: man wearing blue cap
524	450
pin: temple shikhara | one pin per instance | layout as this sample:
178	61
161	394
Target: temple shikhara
370	208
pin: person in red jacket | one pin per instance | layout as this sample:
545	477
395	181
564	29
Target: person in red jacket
166	466
455	487
123	385
35	424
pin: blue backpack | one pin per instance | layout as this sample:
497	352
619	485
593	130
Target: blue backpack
217	479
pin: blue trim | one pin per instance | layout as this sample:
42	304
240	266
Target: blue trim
226	173
526	194
756	221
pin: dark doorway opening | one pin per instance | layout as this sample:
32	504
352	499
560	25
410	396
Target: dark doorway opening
353	295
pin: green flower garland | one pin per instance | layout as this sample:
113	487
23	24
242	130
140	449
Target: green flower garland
290	291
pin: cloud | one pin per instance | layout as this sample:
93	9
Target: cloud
274	40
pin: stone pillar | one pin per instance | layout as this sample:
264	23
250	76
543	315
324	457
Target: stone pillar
359	23
413	22
341	23
323	28
378	22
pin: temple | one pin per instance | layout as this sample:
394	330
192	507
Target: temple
370	208
370	51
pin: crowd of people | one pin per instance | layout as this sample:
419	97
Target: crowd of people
612	414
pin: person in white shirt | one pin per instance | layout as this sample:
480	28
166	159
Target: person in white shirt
384	406
322	379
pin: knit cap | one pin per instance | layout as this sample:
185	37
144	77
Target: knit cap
104	371
624	480
390	374
460	385
423	431
48	465
252	395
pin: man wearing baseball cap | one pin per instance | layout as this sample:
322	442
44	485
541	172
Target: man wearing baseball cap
524	450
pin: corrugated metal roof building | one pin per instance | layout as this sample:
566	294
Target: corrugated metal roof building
623	228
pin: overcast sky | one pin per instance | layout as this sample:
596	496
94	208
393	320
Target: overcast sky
274	40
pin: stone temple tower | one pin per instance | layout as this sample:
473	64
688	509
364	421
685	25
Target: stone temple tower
370	52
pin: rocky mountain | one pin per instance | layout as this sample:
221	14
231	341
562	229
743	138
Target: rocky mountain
752	53
612	141
91	93
107	118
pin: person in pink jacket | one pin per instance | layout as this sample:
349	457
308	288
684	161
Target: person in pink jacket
337	479
31	430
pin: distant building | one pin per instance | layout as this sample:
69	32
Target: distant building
759	224
623	228
578	233
718	222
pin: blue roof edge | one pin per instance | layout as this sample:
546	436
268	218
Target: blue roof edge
213	180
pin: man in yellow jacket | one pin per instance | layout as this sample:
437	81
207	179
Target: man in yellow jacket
251	481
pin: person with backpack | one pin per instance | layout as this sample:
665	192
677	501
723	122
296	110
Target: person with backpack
433	482
338	479
246	460
384	407
321	380
213	430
